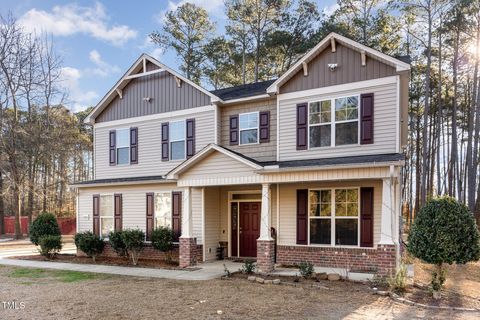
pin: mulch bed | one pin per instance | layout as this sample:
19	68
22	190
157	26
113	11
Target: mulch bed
448	298
109	261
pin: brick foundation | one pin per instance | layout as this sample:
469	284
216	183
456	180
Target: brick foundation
265	255
148	252
379	261
188	252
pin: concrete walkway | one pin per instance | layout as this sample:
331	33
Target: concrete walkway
206	271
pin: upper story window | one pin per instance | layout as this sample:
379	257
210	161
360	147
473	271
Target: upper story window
333	122
177	140
106	215
123	146
248	128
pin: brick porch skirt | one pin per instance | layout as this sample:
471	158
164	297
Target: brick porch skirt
148	252
379	261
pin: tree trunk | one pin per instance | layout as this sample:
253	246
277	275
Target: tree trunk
2	207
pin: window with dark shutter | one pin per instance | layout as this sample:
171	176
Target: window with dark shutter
96	214
234	130
149	215
118	208
111	147
302	216
165	141
176	214
133	145
302	126
264	126
366	118
190	137
366	217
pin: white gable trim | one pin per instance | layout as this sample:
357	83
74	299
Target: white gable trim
141	62
400	65
209	149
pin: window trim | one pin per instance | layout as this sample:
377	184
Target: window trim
333	122
250	128
171	210
171	140
116	147
100	210
333	217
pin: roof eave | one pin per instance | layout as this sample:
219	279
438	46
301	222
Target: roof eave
276	169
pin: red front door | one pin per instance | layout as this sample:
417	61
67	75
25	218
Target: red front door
249	228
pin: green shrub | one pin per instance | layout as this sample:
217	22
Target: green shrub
134	241
50	245
45	224
444	231
116	241
91	244
248	267
306	269
162	239
398	283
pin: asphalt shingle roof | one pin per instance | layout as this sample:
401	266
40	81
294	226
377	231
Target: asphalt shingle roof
117	180
243	91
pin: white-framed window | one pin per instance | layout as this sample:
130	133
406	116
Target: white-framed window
177	140
333	122
334	216
163	210
107	214
248	127
122	145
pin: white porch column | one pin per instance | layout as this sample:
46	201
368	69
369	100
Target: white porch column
388	212
265	213
187	225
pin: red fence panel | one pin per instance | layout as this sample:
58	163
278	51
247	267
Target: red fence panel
67	225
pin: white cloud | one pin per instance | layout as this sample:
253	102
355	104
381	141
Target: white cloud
102	68
78	99
71	19
157	53
329	10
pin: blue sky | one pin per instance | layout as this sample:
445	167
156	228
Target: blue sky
99	40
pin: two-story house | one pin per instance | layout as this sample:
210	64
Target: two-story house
302	168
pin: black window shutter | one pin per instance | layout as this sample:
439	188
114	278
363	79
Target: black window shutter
190	135
264	126
176	214
234	130
302	126
111	147
366	118
149	215
133	145
366	217
302	216
118	208
165	141
96	214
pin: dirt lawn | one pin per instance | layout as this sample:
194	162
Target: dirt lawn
49	294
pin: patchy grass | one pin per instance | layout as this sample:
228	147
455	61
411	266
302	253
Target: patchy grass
60	275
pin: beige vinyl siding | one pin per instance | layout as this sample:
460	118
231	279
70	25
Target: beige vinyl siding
218	165
288	207
349	69
212	222
134	205
149	146
262	151
385	126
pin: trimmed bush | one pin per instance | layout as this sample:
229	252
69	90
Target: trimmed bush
444	231
116	241
91	244
44	225
134	241
50	245
162	239
306	269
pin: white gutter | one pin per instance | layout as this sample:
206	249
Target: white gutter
106	184
276	168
